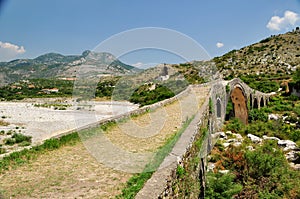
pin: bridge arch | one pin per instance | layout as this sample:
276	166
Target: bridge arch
262	102
219	108
238	97
255	102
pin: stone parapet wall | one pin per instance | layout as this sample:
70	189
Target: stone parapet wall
160	185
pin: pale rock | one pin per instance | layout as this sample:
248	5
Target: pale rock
237	144
284	117
250	148
238	136
295	166
254	138
224	171
233	140
286	143
223	135
226	144
273	117
210	166
270	138
292	156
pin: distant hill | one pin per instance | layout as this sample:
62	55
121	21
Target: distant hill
277	55
56	65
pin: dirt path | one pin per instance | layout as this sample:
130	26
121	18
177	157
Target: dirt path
71	171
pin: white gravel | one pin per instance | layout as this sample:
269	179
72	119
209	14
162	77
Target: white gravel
43	123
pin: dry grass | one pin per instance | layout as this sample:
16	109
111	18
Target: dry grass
3	123
70	172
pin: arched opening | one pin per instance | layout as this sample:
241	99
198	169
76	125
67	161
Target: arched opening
255	103
251	98
239	101
219	108
262	102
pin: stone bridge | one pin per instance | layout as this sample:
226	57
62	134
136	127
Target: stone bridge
242	97
210	116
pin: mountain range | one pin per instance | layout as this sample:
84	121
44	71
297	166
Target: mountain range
56	65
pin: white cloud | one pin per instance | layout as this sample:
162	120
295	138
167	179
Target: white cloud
277	23
219	45
9	51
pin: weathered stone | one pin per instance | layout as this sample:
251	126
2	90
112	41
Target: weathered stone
238	136
254	138
273	117
292	156
295	166
222	135
236	144
210	166
233	140
250	148
270	138
285	143
224	171
226	144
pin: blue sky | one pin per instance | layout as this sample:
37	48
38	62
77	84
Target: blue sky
34	27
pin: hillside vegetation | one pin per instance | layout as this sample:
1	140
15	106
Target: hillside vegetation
277	55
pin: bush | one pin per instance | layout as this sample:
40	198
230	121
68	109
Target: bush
2	150
265	160
221	186
235	125
21	138
256	114
143	96
295	135
9	141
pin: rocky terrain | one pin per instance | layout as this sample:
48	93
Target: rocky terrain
290	148
275	55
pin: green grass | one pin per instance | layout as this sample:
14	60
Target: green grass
186	185
18	138
137	181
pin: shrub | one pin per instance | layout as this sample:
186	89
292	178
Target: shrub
21	138
264	160
235	125
256	114
2	150
295	135
221	186
180	171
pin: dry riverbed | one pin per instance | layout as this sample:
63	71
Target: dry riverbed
42	119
